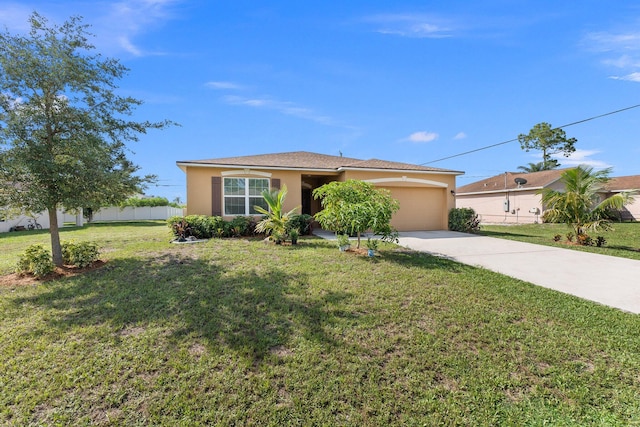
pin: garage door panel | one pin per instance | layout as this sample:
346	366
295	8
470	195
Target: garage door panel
420	208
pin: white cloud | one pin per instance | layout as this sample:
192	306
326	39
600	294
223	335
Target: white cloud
410	25
222	85
283	107
581	157
622	51
460	135
422	137
633	77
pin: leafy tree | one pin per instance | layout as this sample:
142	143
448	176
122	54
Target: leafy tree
63	128
276	221
548	140
356	206
540	166
579	205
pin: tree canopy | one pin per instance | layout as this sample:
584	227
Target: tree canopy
578	204
548	140
63	127
354	207
540	166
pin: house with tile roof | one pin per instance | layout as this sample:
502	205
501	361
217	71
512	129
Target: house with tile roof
511	197
231	186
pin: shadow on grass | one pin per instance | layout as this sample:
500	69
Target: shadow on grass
488	233
411	258
251	312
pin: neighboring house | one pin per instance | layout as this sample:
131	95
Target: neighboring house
631	212
506	199
232	186
500	199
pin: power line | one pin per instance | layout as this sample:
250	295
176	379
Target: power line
515	139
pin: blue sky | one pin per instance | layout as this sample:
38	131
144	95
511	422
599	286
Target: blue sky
408	81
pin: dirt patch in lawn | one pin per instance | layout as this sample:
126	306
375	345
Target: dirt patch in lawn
16	279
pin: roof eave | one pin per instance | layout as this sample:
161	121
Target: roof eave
184	165
438	172
503	190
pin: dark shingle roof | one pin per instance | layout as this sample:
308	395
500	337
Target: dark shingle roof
308	160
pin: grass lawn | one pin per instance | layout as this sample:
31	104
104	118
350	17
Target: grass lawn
237	332
623	241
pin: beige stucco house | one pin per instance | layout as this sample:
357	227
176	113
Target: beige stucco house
232	186
511	197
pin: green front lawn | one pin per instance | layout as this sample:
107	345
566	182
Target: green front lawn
623	241
237	332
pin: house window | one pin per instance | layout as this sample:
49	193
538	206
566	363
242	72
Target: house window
242	194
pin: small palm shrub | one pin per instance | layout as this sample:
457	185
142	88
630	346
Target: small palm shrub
79	254
35	260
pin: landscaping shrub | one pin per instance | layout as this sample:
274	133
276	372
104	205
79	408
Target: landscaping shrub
600	241
79	254
464	220
301	222
206	227
35	260
584	239
242	226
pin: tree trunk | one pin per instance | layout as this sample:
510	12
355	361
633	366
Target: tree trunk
56	249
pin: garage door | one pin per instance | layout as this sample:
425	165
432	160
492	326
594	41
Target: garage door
420	208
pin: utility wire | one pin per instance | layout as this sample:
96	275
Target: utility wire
515	139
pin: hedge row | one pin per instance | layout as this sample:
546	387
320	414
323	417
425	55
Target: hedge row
206	227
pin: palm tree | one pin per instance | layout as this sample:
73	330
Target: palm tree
540	166
275	223
579	204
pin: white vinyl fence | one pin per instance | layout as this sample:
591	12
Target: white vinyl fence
129	213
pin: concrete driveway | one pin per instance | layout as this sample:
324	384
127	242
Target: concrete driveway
605	279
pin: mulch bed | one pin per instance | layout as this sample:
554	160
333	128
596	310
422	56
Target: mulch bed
16	279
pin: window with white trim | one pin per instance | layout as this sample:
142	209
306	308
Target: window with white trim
242	194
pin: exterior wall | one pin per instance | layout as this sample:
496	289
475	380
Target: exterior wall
424	205
490	207
199	186
634	208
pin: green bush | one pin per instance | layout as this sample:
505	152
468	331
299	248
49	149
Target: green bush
464	220
300	222
206	227
79	254
137	202
35	260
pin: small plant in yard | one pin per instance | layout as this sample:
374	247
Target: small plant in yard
343	241
293	235
35	260
80	254
600	241
372	244
557	237
570	236
584	239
